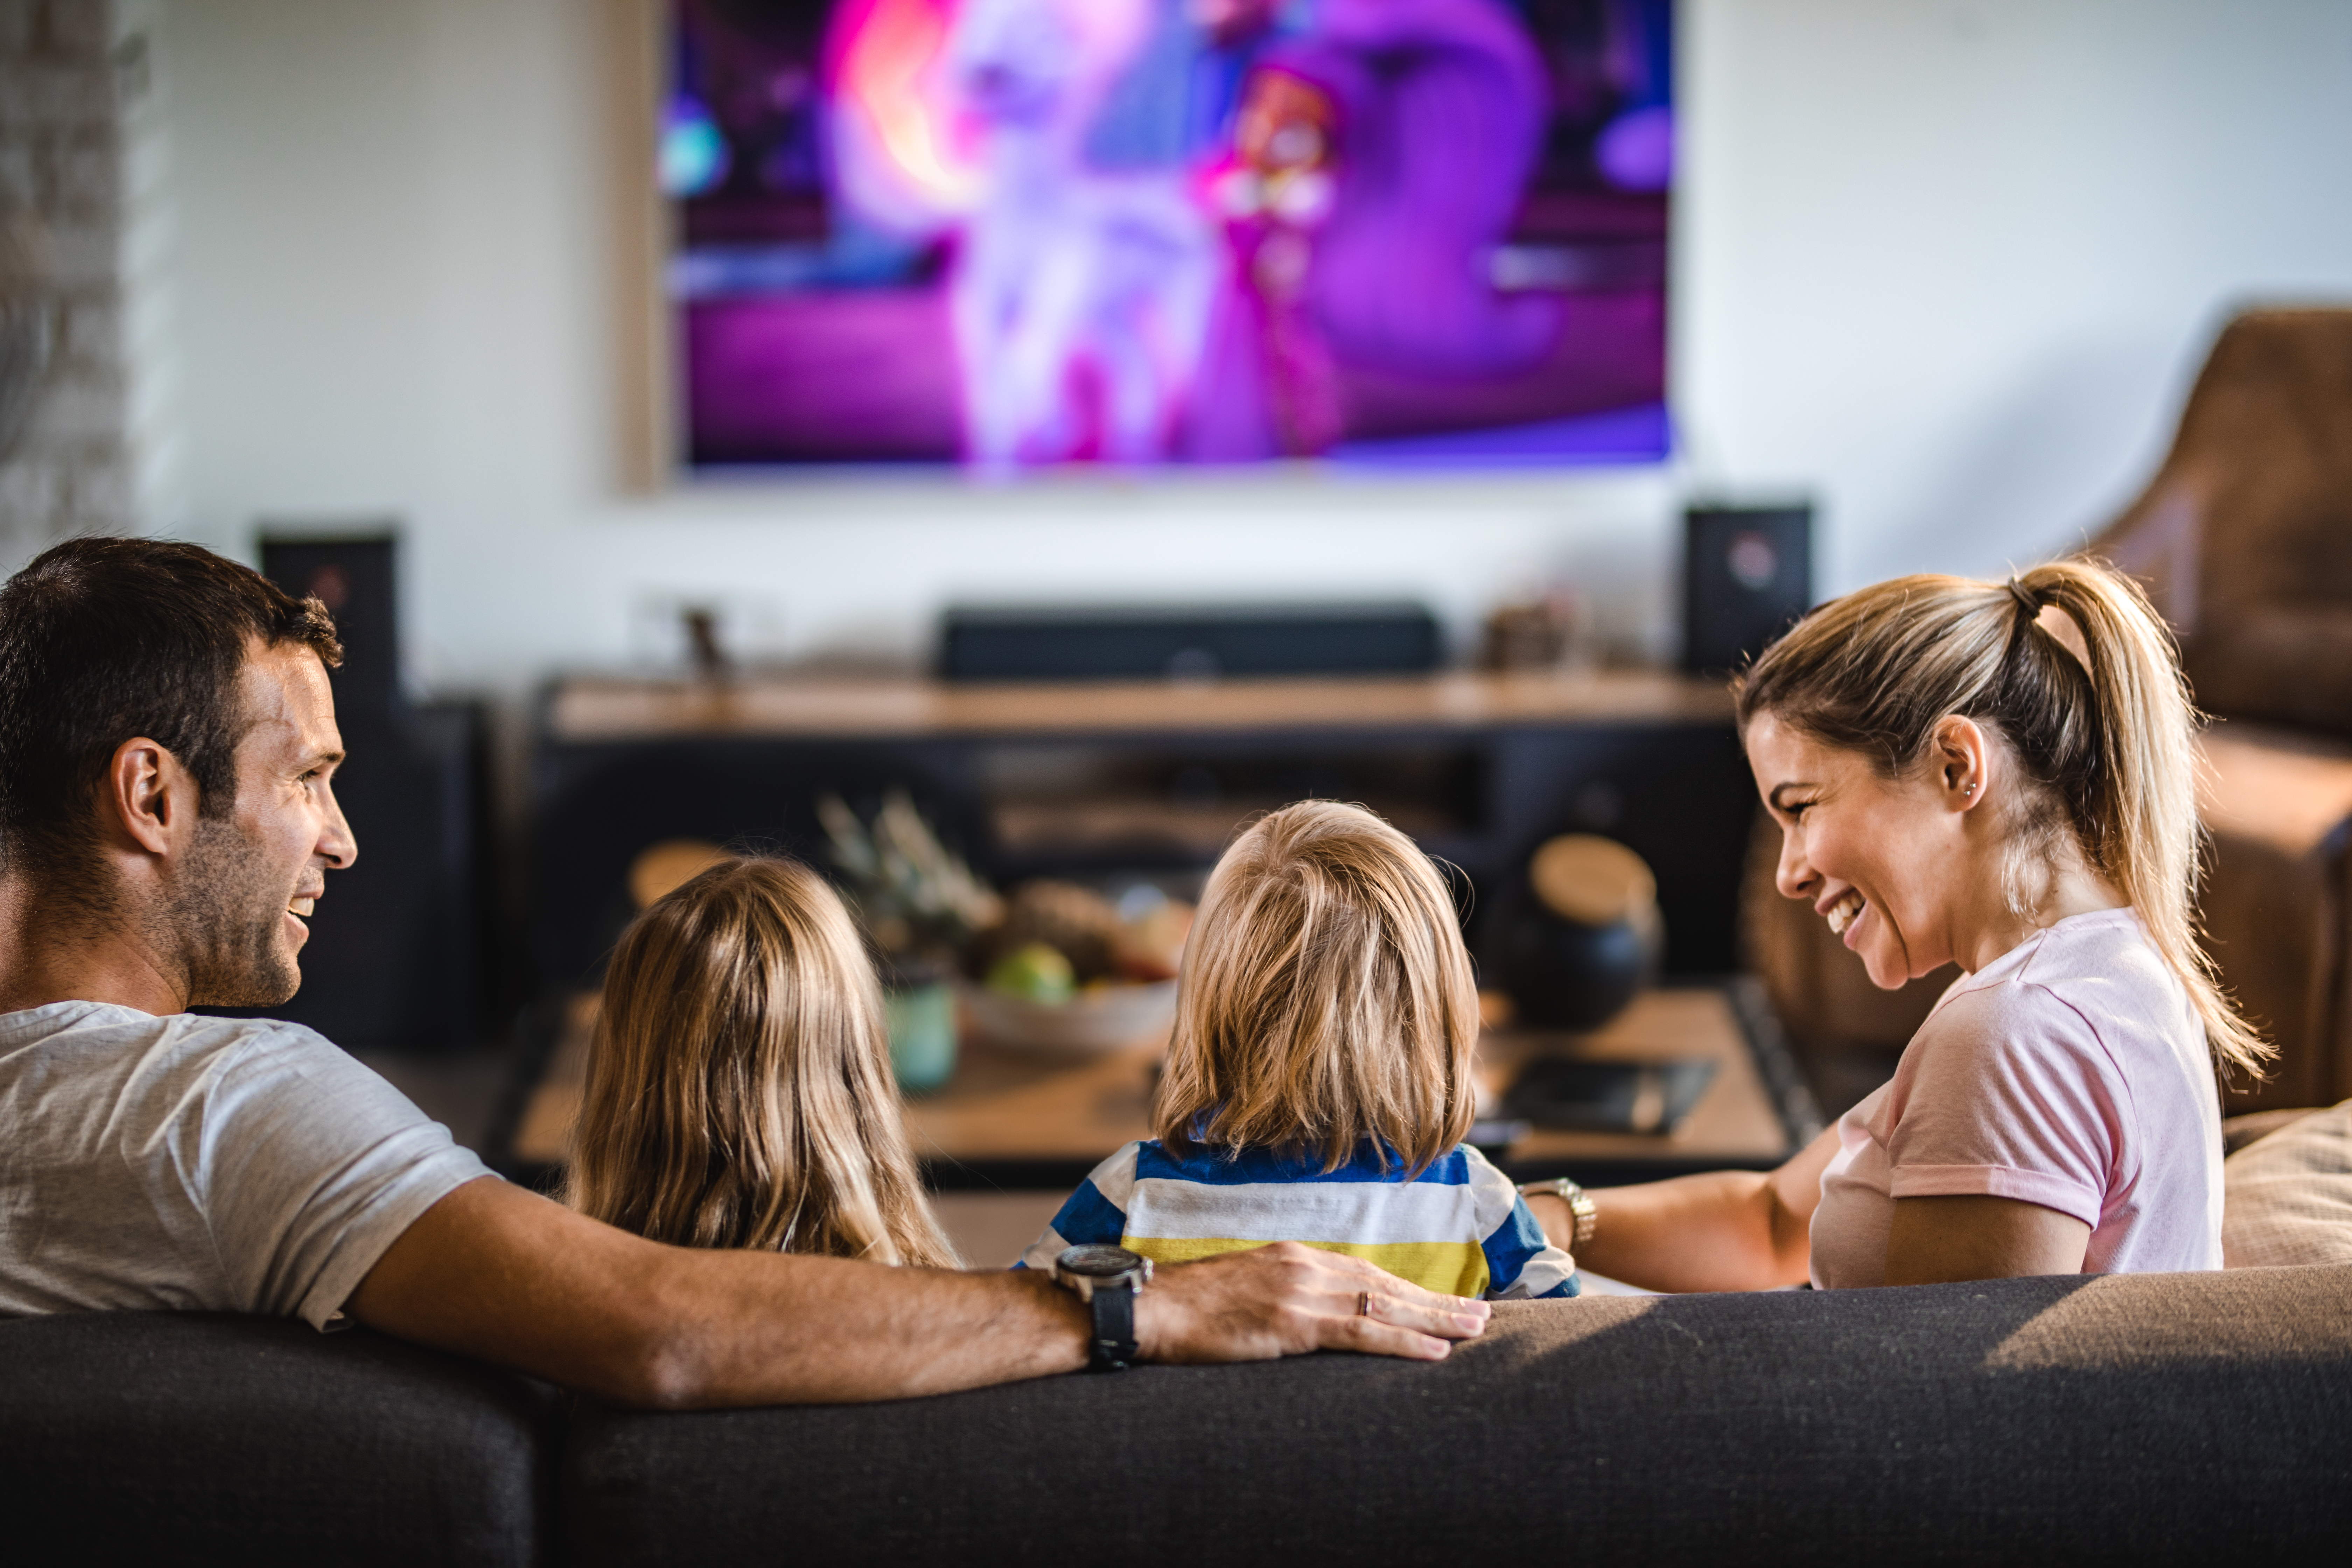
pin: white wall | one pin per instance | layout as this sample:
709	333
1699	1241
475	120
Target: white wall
1946	267
1957	264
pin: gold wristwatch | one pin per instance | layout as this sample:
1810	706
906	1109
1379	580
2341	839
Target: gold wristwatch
1580	1204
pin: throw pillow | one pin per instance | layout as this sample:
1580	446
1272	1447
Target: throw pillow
2288	1197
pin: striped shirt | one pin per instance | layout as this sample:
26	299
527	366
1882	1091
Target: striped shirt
1459	1227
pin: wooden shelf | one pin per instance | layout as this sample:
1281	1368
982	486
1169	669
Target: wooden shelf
586	710
1093	781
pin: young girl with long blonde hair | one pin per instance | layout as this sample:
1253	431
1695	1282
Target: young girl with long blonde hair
1318	1085
739	1085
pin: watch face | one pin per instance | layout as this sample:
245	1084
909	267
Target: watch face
1098	1261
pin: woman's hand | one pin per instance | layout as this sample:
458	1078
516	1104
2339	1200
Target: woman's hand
1288	1299
1933	1241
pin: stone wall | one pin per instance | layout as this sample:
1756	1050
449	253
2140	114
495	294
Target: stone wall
62	82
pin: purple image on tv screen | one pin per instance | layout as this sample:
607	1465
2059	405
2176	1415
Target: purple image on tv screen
1020	233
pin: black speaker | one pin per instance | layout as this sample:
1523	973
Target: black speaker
353	577
1206	642
394	955
1747	574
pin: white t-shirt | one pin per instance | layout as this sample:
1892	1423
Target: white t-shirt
201	1164
2071	1072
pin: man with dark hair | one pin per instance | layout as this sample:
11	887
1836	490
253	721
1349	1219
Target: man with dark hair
167	818
111	638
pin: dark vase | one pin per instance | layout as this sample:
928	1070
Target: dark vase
1566	975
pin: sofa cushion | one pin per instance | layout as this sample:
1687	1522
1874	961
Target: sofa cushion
188	1438
2149	1418
2289	1195
2237	1131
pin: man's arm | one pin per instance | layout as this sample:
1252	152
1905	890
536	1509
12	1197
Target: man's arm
499	1273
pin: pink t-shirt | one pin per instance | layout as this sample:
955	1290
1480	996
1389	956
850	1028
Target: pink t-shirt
2070	1072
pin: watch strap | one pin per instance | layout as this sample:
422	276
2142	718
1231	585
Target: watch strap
1580	1203
1113	1348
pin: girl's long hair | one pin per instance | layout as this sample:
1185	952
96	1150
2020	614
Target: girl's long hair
1327	999
2107	742
739	1085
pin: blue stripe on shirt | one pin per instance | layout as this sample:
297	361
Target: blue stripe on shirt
1089	1218
1514	1242
1246	1167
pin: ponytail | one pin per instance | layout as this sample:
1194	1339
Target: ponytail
2144	785
2104	734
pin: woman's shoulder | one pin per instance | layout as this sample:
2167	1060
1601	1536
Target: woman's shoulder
2100	964
2093	983
2078	1046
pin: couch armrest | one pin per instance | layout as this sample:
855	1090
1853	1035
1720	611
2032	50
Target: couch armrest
185	1437
2278	808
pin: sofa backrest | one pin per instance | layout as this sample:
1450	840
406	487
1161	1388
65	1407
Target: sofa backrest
2151	1418
2144	1419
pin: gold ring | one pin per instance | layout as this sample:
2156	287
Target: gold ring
1363	1303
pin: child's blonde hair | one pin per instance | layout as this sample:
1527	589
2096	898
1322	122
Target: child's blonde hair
739	1083
1327	998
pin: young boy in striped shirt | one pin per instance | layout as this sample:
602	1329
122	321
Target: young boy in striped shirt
1318	1083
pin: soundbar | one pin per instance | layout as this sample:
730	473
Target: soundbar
1187	643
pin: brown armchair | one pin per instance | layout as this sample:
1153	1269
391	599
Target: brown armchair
2245	538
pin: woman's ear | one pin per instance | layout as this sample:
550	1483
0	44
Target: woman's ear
1963	760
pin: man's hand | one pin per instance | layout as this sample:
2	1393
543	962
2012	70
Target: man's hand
1285	1299
502	1274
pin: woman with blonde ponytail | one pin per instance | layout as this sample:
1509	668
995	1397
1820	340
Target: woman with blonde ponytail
2000	776
739	1083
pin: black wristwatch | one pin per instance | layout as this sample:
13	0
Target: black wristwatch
1109	1279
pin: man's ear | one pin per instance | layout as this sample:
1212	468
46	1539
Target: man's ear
149	800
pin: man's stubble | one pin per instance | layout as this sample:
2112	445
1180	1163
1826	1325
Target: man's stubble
228	912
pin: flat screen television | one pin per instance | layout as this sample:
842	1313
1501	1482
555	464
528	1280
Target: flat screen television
1011	233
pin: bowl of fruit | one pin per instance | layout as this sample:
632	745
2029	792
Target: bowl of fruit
1068	971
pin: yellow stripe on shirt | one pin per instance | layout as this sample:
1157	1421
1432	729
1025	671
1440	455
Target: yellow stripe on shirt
1455	1268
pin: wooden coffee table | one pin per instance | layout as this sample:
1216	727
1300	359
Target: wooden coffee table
1015	1119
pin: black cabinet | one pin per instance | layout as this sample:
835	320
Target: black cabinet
1103	782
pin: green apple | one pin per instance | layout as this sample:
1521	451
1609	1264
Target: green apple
1034	973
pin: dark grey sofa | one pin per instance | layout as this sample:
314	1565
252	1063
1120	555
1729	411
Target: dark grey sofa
2186	1418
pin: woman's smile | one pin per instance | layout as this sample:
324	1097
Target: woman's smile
1864	928
1868	853
1846	910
